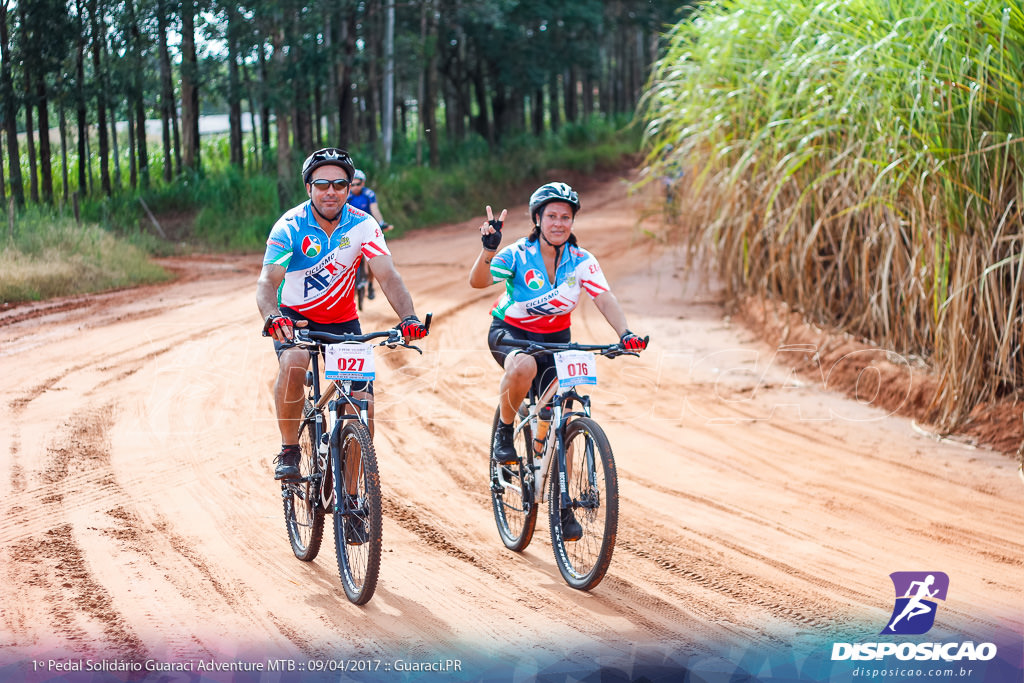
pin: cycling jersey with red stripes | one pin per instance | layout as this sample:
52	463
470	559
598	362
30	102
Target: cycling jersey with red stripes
530	301
320	271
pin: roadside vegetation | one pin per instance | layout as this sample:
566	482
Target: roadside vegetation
862	163
47	253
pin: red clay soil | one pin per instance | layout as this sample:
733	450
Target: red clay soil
878	377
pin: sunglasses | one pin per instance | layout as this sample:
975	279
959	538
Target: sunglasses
323	184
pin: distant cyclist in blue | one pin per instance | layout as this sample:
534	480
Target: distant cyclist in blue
544	275
365	199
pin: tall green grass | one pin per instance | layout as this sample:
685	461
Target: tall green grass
861	160
47	256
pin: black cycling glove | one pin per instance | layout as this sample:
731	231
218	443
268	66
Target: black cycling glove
493	240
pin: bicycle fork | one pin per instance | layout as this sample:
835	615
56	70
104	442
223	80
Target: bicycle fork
555	446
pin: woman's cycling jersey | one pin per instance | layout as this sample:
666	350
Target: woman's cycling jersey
320	271
363	200
532	303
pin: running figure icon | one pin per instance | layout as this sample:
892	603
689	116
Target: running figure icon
917	596
916	606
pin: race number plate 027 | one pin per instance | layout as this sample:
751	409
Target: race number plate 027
349	361
575	367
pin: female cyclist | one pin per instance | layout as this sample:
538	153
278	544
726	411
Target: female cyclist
544	275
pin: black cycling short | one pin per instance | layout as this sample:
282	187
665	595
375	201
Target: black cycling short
348	327
545	363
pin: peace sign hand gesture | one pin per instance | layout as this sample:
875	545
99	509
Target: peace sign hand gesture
490	230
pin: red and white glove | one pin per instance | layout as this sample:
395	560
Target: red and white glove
412	328
632	342
278	326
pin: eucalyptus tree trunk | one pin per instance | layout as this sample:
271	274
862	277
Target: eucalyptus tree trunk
101	93
30	142
537	111
346	108
284	150
189	88
81	112
483	123
138	97
133	174
253	124
429	110
554	104
63	127
234	91
388	106
167	113
332	81
45	161
571	100
264	85
8	110
115	152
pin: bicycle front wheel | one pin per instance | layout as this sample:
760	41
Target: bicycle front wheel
357	516
303	515
593	488
512	490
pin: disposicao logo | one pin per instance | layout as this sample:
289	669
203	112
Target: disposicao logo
310	246
533	278
916	595
913	614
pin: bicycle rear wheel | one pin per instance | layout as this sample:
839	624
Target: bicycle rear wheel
303	515
594	489
512	499
357	518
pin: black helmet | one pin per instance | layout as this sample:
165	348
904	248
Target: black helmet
553	192
328	156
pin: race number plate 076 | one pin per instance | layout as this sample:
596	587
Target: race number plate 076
349	361
575	367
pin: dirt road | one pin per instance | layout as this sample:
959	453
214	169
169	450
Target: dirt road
759	513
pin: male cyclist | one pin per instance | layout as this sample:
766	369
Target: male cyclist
365	199
307	281
544	275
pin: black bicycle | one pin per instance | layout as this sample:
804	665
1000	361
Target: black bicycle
338	467
570	465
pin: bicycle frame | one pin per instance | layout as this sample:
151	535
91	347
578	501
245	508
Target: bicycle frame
329	437
554	442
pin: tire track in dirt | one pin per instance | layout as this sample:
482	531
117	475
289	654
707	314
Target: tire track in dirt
410	520
711	574
77	608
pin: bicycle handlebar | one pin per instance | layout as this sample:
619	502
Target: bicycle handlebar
535	347
392	338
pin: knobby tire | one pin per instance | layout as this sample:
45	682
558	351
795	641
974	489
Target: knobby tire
515	512
359	565
303	513
583	563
